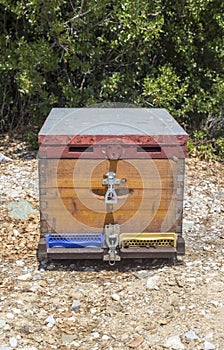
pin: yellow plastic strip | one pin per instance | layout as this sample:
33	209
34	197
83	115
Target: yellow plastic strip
149	239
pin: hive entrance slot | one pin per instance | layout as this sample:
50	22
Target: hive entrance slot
70	240
149	239
149	149
80	149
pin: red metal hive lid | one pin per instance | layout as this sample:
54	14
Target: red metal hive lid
69	127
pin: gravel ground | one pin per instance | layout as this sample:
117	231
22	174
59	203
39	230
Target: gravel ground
136	304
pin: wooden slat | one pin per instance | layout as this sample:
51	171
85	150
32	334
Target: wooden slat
89	173
132	220
98	203
86	193
164	183
68	165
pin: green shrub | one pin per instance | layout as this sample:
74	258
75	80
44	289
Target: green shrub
166	54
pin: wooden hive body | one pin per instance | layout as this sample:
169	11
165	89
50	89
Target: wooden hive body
144	148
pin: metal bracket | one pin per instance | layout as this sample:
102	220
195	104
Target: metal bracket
111	179
111	195
112	238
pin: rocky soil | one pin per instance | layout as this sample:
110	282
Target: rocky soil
92	306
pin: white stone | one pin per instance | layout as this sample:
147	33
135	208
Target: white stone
4	159
15	232
115	297
25	277
209	346
105	337
10	316
75	344
216	303
16	310
20	263
197	262
174	343
182	308
190	335
152	282
150	312
50	320
95	335
2	323
75	305
93	310
187	224
34	288
13	342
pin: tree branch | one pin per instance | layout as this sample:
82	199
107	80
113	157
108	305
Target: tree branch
80	13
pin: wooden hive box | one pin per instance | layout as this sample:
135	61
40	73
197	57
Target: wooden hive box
111	184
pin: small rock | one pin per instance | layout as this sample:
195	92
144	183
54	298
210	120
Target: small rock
50	321
191	307
187	224
190	335
152	282
95	335
216	303
150	312
75	305
20	263
5	347
2	323
142	274
174	343
26	277
67	338
191	280
21	209
75	344
135	342
115	297
10	316
197	262
34	288
15	232
4	159
182	308
162	321
25	329
207	248
93	310
209	346
105	337
13	342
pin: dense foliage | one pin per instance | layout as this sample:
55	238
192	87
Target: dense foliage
162	53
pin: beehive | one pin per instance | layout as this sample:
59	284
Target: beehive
111	184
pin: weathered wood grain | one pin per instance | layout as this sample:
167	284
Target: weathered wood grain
72	194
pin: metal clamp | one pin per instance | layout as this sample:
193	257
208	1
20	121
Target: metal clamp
112	238
111	195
